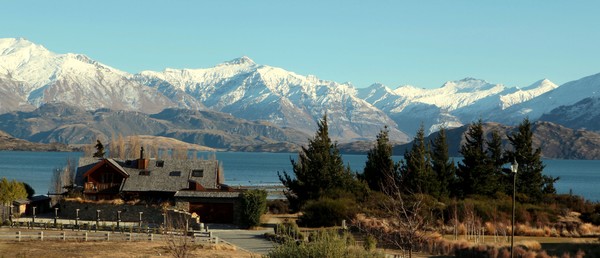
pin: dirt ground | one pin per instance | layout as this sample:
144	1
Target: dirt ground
51	249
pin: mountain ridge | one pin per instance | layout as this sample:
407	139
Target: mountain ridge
31	76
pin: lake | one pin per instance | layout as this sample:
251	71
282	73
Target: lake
250	168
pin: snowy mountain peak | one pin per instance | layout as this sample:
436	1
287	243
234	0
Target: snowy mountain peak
244	60
466	83
377	85
7	44
544	83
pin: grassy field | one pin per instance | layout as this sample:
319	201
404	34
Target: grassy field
554	246
51	249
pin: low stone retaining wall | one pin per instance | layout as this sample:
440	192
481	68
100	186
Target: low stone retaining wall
110	212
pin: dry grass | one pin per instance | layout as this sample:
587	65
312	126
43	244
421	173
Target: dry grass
51	249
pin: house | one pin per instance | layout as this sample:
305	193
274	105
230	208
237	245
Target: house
25	206
190	185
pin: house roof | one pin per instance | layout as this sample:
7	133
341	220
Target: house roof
160	175
115	165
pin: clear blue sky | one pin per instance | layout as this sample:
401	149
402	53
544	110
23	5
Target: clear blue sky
422	43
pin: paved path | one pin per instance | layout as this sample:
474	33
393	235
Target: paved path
249	240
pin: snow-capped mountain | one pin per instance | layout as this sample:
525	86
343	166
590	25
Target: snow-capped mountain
260	92
44	77
584	114
452	105
565	95
31	75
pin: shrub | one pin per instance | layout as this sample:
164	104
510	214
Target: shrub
254	205
323	244
288	230
328	212
278	206
370	243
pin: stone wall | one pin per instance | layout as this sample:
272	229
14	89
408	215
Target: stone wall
153	215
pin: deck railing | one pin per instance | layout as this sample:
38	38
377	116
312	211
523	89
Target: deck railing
91	187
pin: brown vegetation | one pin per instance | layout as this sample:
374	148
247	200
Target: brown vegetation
59	249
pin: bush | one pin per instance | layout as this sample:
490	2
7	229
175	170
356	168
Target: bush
327	212
254	205
370	243
289	230
278	206
324	244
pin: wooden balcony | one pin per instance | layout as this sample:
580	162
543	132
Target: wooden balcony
91	187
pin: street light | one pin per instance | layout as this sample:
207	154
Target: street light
513	168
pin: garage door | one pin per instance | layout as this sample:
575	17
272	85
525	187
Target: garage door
213	212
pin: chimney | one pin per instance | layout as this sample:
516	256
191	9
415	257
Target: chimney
142	163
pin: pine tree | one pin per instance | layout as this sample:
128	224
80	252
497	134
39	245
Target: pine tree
380	170
474	173
530	180
99	150
416	173
442	165
318	171
497	160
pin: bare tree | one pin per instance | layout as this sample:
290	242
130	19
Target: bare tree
179	244
63	179
405	222
134	147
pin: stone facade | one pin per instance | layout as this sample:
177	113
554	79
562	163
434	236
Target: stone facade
152	215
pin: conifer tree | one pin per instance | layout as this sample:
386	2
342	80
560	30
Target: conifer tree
380	170
530	180
442	165
497	160
99	150
319	170
416	173
474	171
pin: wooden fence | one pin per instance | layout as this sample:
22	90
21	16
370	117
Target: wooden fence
84	236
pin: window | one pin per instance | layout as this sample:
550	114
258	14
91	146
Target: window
175	173
198	172
160	163
144	173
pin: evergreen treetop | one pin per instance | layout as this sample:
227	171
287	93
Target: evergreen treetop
99	150
416	172
319	170
380	170
442	165
530	180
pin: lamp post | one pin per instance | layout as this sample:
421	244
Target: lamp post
97	219
77	218
513	168
33	217
118	219
55	216
140	225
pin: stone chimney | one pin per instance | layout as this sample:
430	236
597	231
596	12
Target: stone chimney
142	163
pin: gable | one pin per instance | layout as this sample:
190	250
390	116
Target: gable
106	163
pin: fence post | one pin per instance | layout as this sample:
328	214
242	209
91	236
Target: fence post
63	235
107	236
128	236
151	237
41	235
216	240
86	237
19	235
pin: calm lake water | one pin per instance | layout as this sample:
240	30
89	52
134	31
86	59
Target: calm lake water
246	168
